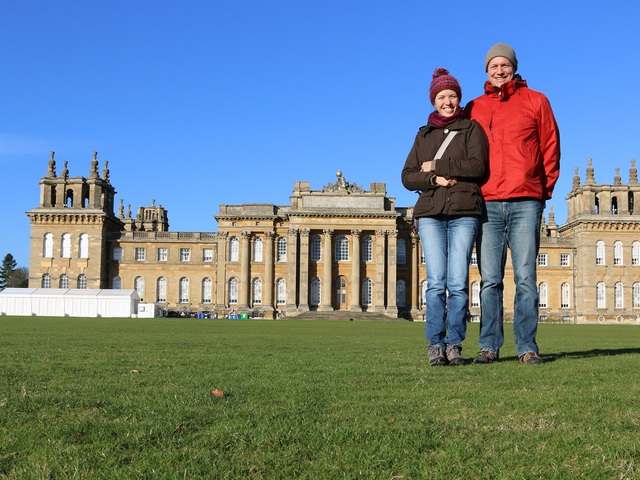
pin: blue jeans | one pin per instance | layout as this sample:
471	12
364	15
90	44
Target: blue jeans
447	243
514	224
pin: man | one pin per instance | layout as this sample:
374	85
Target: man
524	164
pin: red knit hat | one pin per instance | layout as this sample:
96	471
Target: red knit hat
443	80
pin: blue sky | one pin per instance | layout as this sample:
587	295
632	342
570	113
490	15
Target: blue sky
200	103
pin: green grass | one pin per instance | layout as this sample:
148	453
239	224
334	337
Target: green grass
311	400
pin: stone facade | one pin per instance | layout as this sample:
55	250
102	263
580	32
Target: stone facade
343	248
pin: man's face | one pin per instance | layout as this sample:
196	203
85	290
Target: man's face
500	71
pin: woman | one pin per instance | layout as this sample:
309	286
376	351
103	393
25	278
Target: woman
447	212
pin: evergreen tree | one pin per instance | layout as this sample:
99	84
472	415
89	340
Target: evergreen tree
7	268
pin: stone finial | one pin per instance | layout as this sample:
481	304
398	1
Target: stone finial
576	180
552	217
633	173
121	209
65	170
617	180
93	173
544	231
106	175
51	170
591	179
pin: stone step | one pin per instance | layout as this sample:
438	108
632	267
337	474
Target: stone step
345	315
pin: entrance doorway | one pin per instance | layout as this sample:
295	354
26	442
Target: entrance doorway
341	294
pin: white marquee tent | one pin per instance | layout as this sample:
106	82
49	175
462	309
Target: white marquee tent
62	302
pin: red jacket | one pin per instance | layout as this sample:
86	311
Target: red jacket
524	141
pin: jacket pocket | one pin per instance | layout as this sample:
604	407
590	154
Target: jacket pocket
426	204
465	200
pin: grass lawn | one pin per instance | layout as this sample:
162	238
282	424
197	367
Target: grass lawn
131	398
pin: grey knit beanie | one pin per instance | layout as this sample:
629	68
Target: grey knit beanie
501	50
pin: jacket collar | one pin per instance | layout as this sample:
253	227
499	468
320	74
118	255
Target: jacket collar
506	89
460	124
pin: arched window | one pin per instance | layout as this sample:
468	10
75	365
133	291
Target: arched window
316	248
233	291
66	246
315	291
367	248
635	253
565	296
116	283
82	281
256	291
401	293
64	281
161	296
46	281
600	253
183	293
84	246
635	290
542	295
282	250
206	290
401	252
234	249
617	253
48	246
138	285
258	245
367	292
423	294
342	249
618	295
281	291
475	294
601	295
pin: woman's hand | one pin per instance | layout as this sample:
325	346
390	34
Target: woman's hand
426	166
444	182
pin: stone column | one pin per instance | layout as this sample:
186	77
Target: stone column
244	285
222	239
268	301
392	272
415	277
378	285
354	297
304	270
327	275
292	264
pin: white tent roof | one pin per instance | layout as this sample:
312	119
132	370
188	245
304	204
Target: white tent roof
68	302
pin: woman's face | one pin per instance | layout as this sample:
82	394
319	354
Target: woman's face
446	102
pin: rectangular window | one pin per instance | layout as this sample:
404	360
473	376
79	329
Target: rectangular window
474	258
140	254
542	259
117	254
207	255
185	254
163	254
564	259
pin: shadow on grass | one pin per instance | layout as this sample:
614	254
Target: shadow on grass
605	352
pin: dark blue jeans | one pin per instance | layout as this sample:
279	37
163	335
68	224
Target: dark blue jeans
516	225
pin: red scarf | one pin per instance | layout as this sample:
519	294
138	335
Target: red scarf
441	121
